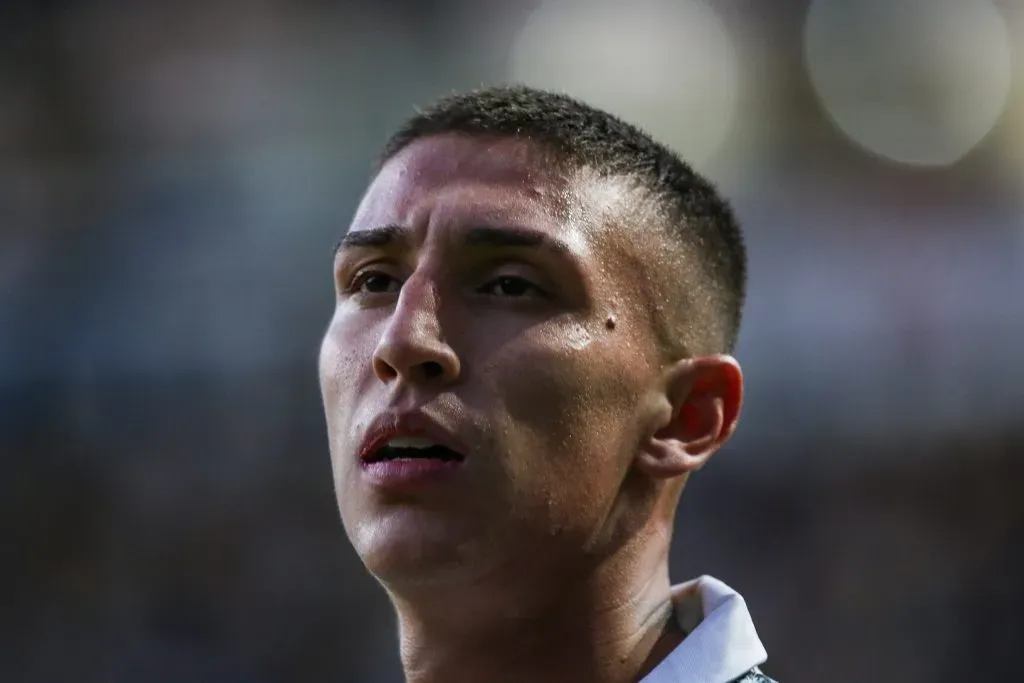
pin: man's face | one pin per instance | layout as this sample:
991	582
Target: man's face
489	298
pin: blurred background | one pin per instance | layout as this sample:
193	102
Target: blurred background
173	177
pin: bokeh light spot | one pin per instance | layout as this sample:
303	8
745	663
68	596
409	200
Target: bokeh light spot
668	66
920	82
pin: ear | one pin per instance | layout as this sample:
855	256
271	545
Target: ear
699	411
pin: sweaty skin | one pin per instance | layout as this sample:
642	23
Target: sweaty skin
544	557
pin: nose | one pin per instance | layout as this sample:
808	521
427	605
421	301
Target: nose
413	347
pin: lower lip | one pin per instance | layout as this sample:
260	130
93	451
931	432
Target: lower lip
409	474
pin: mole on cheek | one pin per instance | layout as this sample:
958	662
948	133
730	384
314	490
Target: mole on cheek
610	323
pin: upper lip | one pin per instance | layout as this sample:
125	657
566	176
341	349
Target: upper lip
390	425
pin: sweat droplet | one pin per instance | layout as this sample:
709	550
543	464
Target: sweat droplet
578	337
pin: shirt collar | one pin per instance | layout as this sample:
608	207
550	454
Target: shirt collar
721	644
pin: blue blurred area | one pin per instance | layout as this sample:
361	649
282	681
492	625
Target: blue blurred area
172	180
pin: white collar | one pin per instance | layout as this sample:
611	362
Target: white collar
721	644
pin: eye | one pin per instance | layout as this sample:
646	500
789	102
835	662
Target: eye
511	286
373	282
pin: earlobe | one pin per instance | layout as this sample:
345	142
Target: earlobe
700	410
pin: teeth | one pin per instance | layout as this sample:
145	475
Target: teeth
410	442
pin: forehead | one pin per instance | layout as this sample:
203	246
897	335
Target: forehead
448	179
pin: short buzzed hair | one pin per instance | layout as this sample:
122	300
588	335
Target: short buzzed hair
695	216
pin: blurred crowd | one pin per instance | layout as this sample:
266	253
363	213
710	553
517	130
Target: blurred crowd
173	177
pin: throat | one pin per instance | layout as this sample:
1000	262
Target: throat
624	644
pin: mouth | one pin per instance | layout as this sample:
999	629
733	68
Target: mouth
412	448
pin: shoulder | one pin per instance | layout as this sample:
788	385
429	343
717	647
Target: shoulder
754	676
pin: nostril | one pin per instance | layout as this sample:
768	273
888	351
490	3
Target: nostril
384	370
432	370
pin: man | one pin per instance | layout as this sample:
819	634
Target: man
527	359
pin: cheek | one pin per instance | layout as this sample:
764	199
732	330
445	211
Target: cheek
342	375
345	371
327	367
572	433
333	370
575	404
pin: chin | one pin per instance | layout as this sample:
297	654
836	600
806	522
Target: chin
408	547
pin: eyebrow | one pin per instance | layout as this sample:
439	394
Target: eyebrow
510	237
384	236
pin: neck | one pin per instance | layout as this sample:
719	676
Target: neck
611	624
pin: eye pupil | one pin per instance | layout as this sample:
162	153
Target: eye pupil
376	282
512	286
